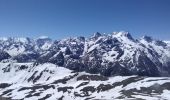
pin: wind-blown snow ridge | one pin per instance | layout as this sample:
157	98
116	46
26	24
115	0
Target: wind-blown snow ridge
167	42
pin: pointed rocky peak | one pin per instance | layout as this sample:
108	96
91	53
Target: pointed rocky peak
67	51
160	43
147	38
157	42
4	55
81	38
43	40
96	35
123	34
29	39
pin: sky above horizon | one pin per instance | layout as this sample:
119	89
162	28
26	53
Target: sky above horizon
69	18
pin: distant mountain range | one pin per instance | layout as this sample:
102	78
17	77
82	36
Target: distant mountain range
112	54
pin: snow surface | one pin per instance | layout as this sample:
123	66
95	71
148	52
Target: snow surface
48	73
167	42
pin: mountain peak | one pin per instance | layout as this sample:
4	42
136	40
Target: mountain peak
147	38
123	34
97	34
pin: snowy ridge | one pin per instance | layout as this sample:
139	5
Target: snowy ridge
168	42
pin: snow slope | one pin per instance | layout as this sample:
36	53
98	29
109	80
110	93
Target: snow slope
47	81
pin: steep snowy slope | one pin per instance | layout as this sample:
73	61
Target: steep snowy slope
32	81
168	42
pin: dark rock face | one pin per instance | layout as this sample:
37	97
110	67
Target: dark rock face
58	59
109	55
26	57
4	85
148	38
92	77
3	98
67	51
115	69
147	67
74	64
4	55
40	42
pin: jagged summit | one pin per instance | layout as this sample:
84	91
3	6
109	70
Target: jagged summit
97	34
123	34
147	38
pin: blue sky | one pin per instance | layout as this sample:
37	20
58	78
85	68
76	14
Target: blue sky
67	18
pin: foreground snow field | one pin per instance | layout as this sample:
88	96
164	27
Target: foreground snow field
32	81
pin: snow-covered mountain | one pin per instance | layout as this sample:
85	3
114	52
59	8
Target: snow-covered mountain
112	54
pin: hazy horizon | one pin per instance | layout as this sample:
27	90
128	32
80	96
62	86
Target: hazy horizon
90	35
